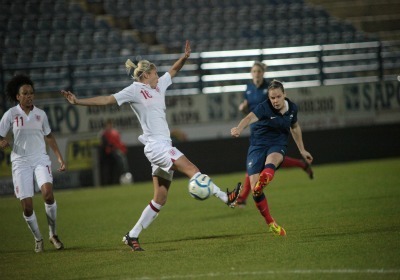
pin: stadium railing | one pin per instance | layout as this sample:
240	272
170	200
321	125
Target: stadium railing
221	71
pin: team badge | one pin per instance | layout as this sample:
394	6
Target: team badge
172	152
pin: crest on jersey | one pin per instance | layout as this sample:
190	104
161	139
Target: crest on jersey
172	152
37	117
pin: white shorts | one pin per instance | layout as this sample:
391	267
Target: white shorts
26	173
162	155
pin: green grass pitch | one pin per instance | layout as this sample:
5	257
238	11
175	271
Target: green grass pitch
344	224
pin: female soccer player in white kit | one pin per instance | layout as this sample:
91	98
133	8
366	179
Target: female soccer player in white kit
146	97
29	159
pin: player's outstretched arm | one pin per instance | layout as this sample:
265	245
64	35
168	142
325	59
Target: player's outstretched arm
181	61
245	122
93	101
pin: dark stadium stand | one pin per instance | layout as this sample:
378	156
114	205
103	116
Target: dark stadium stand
73	37
208	24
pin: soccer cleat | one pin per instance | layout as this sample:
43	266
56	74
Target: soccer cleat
132	242
56	242
263	181
276	229
39	246
233	195
307	168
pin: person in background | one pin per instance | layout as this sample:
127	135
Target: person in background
276	116
30	162
114	163
146	96
257	92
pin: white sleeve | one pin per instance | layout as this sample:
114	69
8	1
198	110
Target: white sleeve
46	126
164	82
5	124
125	95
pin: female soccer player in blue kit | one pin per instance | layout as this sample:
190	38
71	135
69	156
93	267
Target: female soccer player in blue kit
255	93
275	117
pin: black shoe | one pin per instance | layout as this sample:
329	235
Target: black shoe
132	242
233	195
308	170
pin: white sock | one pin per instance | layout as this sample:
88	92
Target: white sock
149	214
195	175
216	190
220	194
33	226
51	213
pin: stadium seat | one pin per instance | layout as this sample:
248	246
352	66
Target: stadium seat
69	55
29	25
39	56
54	56
72	9
73	24
85	40
57	42
100	40
96	54
46	7
11	41
45	25
15	25
84	54
87	23
24	57
71	41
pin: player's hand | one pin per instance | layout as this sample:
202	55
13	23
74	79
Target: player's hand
307	157
187	49
62	165
235	132
4	144
70	97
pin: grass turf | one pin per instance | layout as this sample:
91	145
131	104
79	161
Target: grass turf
343	224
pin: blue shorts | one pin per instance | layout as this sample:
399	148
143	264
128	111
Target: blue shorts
257	155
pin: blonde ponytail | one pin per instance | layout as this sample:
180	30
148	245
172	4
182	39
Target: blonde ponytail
130	68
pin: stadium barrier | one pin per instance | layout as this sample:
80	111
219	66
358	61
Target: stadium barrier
221	71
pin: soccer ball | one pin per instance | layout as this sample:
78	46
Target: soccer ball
126	179
201	187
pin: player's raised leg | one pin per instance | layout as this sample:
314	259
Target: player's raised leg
294	162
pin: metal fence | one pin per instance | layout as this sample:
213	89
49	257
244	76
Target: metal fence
220	71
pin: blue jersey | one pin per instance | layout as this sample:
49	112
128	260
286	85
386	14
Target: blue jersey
272	128
255	95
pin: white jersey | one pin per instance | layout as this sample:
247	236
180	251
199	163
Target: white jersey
149	107
29	131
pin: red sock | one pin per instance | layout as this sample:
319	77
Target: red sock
268	172
262	205
292	162
245	189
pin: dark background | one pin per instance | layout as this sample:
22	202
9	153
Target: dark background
326	146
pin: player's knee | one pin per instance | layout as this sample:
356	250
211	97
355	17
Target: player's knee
28	210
